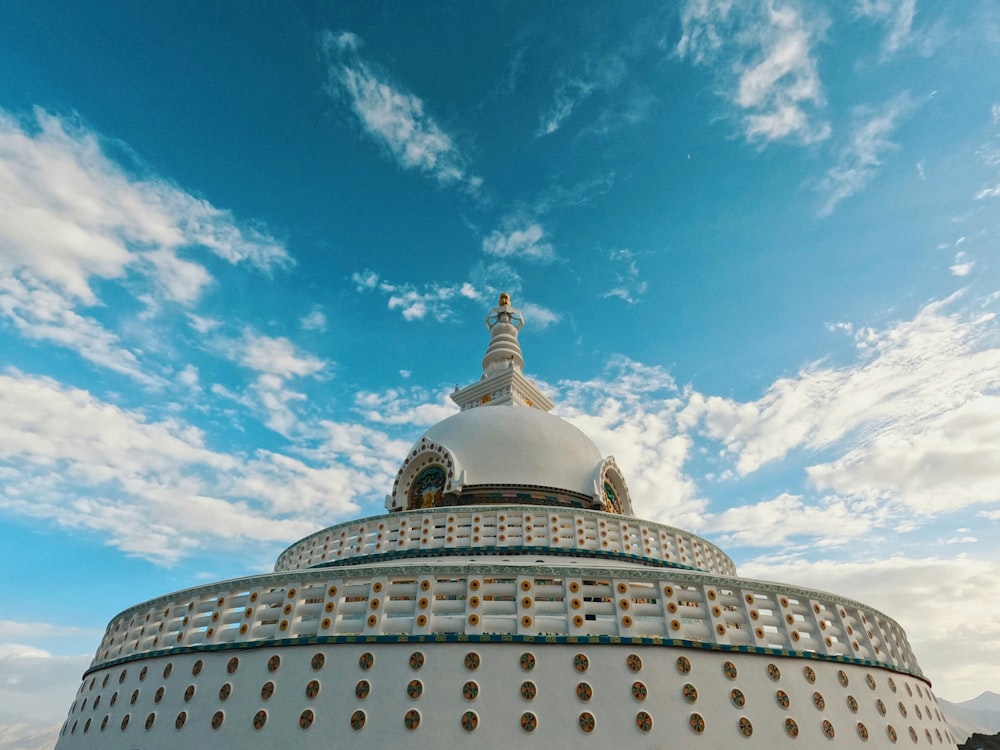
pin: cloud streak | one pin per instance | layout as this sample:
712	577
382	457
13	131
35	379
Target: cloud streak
860	158
771	74
393	118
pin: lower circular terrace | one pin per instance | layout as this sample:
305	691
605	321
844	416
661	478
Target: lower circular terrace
470	601
507	530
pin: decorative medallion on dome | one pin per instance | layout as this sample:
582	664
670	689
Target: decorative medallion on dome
427	488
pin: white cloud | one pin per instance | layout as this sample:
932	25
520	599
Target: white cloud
859	160
896	15
631	412
411	406
539	317
276	360
393	118
916	416
274	356
433	300
154	489
950	609
775	522
962	265
629	284
314	321
519	238
567	97
69	215
774	80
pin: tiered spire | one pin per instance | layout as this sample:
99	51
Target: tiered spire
503	380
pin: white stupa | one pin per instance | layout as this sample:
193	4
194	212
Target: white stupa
508	598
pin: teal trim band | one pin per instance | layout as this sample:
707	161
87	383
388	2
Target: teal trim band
582	640
651	562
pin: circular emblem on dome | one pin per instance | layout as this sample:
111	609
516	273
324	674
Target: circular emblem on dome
233	665
891	731
584	691
690	692
529	722
470	691
870	680
427	489
318	661
729	670
189	692
358	720
267	690
842	676
470	720
852	704
791	727
150	720
736	696
902	709
260	719
892	685
697	723
217	718
644	721
634	662
683	664
178	723
880	706
818	701
411	719
913	734
810	674
862	731
746	728
781	697
415	689
366	660
527	661
362	689
416	660
306	719
312	689
528	690
587	722
773	672
828	728
581	663
472	661
639	691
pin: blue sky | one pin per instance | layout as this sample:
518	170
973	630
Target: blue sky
246	252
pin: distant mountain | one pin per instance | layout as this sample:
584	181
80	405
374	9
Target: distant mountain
979	715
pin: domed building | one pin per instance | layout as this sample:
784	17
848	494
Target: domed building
507	598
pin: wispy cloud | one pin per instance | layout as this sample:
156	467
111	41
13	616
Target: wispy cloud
914	421
539	317
70	216
392	117
522	238
276	360
896	15
771	73
156	490
859	159
629	285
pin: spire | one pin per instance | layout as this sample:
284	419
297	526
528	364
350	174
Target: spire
503	380
504	350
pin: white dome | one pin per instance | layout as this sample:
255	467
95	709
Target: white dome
518	446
